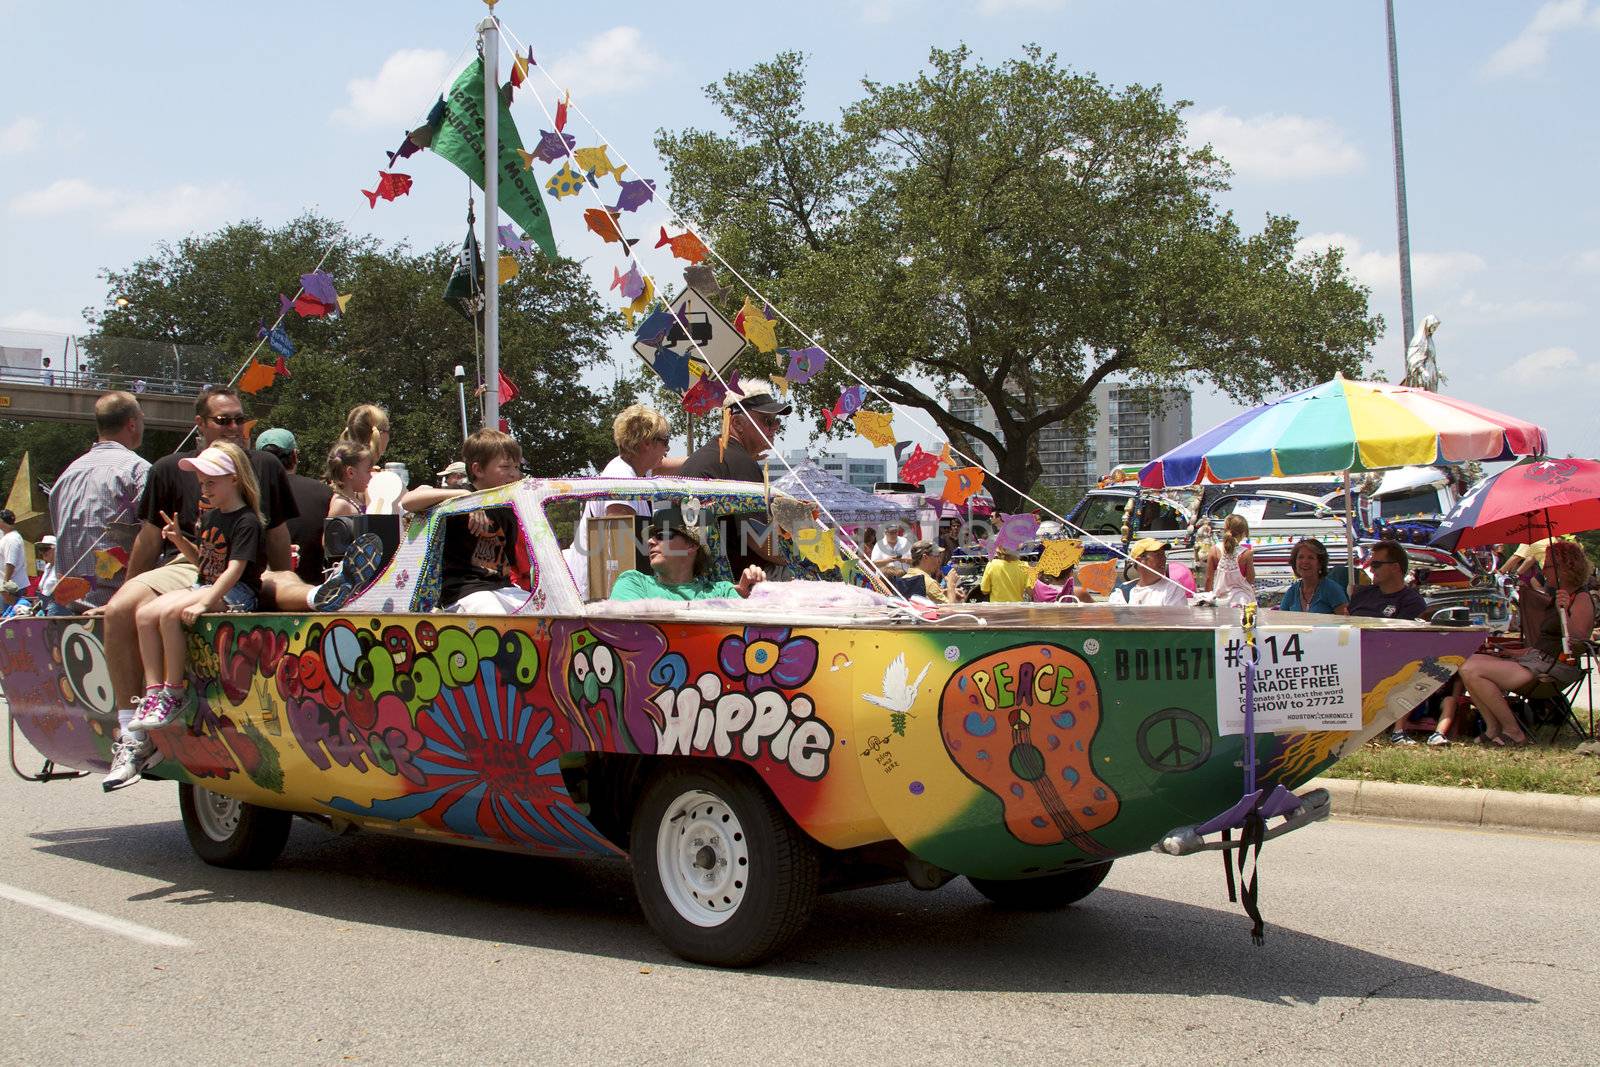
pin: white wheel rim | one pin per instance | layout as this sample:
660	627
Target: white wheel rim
702	858
217	815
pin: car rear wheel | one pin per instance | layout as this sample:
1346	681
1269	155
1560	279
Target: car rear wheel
723	875
226	832
1044	894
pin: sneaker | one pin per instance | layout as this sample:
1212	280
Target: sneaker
1400	737
361	564
130	758
1438	740
161	709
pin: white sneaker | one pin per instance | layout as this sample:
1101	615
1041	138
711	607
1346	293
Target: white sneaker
160	708
1438	740
1400	737
129	760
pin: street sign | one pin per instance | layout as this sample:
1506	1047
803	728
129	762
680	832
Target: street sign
695	331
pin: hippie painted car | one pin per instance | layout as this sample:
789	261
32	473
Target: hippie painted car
742	753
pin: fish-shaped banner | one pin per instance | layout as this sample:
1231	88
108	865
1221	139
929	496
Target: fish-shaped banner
512	243
109	562
319	286
407	149
641	303
919	466
635	194
655	327
703	280
596	162
519	67
564	183
849	402
561	111
672	367
256	378
876	426
509	267
69	589
757	326
281	368
819	545
389	187
961	483
603	224
805	364
704	396
277	339
309	307
780	385
684	245
1058	556
631	283
553	146
1016	531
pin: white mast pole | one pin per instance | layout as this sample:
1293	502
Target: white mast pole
489	37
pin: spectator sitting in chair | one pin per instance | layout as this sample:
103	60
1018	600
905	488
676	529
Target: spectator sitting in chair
680	566
1153	586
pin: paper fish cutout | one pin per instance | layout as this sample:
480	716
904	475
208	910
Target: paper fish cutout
596	162
780	385
281	368
561	112
285	305
818	545
704	396
256	378
319	286
512	243
423	135
1016	531
508	267
108	563
527	158
564	183
641	303
603	224
407	149
703	280
805	364
277	339
519	67
553	146
1098	578
919	466
756	327
631	283
309	307
654	329
849	402
672	367
1057	556
69	589
506	388
389	187
684	245
876	426
344	302
945	457
635	194
961	483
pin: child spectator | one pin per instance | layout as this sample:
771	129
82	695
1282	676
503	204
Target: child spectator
1231	567
228	558
349	471
479	547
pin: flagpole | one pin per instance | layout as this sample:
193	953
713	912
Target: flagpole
489	40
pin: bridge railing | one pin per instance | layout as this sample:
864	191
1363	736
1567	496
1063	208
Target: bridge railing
101	381
92	361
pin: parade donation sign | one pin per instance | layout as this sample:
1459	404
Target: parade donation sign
1306	679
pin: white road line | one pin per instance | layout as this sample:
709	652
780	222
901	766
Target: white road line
109	923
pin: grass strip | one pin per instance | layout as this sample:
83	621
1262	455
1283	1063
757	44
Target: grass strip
1537	769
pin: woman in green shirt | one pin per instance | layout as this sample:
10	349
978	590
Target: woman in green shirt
680	565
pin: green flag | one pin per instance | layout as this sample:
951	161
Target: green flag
464	290
460	140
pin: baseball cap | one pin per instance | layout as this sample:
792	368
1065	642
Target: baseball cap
922	550
670	520
277	437
213	461
1146	545
457	467
756	399
47	541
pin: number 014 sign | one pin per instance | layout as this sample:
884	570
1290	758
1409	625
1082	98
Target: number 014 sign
1306	679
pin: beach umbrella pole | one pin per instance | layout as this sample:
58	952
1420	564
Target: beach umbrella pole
1349	539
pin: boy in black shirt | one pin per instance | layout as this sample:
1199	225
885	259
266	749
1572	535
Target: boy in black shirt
480	546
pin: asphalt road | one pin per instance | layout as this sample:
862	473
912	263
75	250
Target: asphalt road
1386	943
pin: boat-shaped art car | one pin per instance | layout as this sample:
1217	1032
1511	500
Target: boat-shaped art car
743	753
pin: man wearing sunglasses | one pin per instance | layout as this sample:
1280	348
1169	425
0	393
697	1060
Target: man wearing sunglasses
680	566
755	419
155	568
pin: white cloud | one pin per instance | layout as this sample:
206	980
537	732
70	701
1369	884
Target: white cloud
608	64
1537	366
1275	147
31	321
1006	7
1590	260
401	93
1380	271
1512	310
20	136
1528	50
177	208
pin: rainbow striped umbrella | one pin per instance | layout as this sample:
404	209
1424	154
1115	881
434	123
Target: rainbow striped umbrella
1345	426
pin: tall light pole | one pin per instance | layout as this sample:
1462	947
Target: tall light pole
1400	186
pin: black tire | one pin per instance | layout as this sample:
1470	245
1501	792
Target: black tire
719	917
230	833
1044	894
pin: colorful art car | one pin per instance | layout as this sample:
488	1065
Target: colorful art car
744	754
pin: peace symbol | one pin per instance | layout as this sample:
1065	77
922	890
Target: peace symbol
1174	740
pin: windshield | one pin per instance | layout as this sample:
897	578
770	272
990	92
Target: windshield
1407	505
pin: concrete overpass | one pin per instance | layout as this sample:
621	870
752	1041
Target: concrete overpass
163	410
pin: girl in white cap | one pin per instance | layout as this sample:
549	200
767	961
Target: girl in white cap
231	533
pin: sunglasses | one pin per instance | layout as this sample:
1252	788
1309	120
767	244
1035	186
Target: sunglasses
228	420
664	535
664	442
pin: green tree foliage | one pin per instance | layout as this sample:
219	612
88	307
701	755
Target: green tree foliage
1020	229
396	344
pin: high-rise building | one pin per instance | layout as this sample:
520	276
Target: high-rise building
861	472
1128	428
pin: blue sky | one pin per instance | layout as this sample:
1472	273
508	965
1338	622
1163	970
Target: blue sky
125	124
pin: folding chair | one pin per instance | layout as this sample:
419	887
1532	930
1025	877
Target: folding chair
1546	706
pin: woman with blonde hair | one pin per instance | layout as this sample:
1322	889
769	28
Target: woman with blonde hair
1231	567
642	435
1489	678
368	425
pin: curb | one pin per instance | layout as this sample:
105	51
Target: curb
1496	808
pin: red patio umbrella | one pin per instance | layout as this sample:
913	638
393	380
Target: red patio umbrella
1528	502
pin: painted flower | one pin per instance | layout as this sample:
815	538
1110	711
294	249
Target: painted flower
767	657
